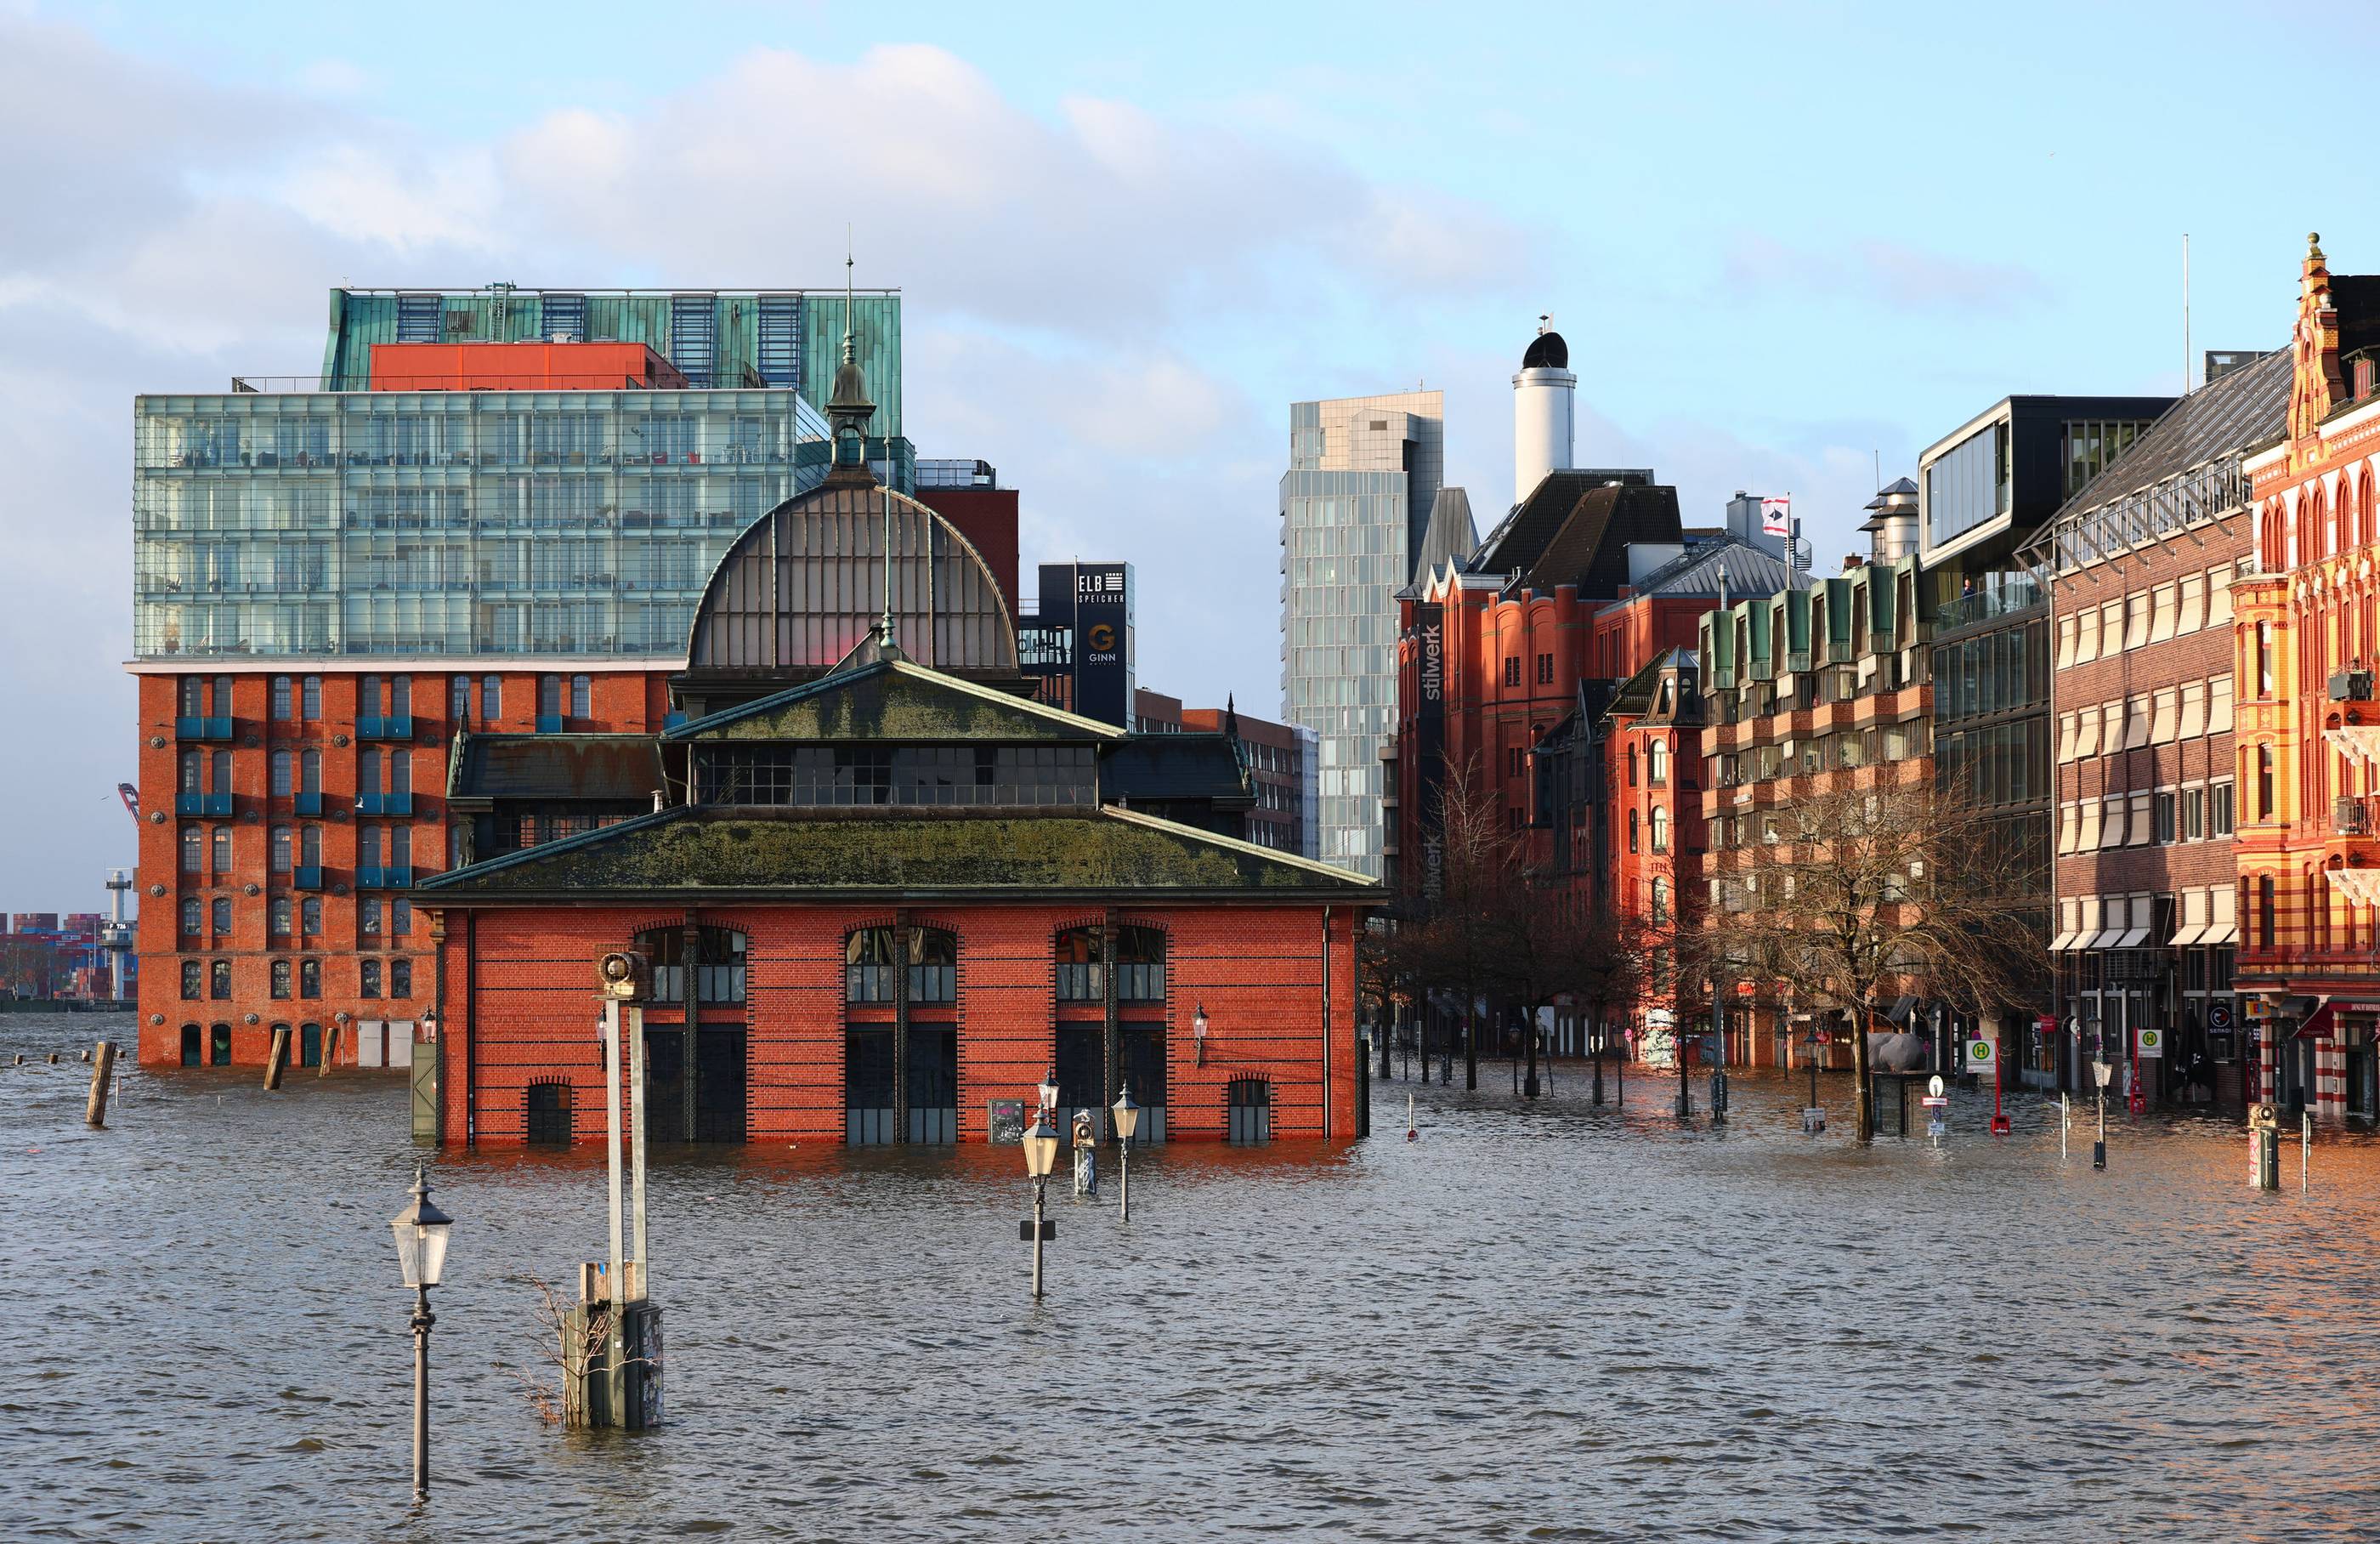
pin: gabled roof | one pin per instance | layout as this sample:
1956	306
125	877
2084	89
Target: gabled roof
1575	532
1750	570
2230	413
893	698
701	855
615	767
1637	694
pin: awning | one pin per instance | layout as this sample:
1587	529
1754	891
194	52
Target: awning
1900	1010
2221	933
2191	932
2359	741
2361	885
2132	938
2062	942
2096	940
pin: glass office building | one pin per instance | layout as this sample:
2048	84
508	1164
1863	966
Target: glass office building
452	523
1363	474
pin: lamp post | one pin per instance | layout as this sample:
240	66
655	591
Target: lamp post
2101	1069
1127	1121
1198	1033
1041	1157
421	1230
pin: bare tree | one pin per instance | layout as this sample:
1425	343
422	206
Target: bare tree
1391	964
1479	862
1873	892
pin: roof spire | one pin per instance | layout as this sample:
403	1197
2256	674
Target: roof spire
849	408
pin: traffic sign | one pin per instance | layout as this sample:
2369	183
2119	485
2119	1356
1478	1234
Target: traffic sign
1933	1101
1933	1084
1981	1054
2150	1042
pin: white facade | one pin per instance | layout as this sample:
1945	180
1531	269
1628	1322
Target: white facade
1544	426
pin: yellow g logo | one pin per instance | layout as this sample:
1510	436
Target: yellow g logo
1102	636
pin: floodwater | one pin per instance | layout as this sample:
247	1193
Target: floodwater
1544	1322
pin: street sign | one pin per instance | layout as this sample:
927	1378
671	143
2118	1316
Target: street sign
2046	1023
2219	1016
2258	1008
1981	1054
2150	1042
1934	1085
1822	1037
1933	1101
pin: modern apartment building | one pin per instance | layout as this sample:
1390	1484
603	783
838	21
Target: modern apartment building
2143	560
507	532
1364	475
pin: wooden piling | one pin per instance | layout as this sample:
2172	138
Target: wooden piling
277	1061
95	1110
329	1048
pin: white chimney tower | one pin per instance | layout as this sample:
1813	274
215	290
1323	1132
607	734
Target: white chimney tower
1544	396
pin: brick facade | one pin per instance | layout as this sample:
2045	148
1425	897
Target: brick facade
249	885
517	1012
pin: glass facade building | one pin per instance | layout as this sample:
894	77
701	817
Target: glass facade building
445	523
1363	474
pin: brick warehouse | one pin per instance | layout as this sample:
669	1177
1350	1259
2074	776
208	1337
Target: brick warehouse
879	892
867	963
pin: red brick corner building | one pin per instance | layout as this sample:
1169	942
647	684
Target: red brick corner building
885	891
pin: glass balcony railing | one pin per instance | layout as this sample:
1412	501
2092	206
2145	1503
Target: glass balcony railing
373	802
203	727
550	723
201	804
385	727
307	876
310	802
1991	596
385	875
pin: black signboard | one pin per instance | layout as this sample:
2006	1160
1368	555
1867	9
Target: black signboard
1430	733
1104	641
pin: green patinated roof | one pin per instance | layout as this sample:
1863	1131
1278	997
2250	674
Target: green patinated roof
686	851
896	701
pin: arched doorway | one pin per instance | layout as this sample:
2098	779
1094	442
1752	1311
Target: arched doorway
309	1045
219	1045
193	1051
1140	1026
932	1008
870	963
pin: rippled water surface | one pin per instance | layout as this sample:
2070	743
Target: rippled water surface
1549	1323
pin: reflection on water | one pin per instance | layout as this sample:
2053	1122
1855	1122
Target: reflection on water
1553	1322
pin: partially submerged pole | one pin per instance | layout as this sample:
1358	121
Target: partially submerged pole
95	1110
276	1061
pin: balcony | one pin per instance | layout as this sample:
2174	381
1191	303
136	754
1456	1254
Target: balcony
391	727
374	802
306	876
209	726
550	723
310	802
202	804
389	876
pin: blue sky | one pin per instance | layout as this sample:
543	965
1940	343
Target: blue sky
1782	242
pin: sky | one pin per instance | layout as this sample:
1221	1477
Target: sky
1787	245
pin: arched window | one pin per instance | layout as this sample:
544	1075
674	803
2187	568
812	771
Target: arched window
2264	782
581	697
284	775
284	848
222	849
309	913
309	775
309	847
933	965
222	914
492	700
281	978
718	974
219	981
867	965
1660	830
193	770
283	704
193	916
1657	764
219	1045
1660	899
1140	965
1080	966
193	1044
281	916
1631	766
194	850
310	979
1247	1110
1632	831
2263	659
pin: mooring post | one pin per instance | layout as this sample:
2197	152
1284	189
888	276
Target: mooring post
276	1061
95	1110
329	1048
619	1368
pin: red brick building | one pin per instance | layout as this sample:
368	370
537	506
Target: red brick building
2307	642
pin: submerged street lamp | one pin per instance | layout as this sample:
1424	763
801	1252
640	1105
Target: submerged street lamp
2102	1069
421	1230
1127	1121
1040	1143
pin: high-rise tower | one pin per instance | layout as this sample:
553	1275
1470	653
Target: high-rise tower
1544	402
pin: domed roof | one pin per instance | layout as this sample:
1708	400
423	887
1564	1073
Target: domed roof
1547	351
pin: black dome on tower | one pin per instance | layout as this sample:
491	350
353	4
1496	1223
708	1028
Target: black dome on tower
1547	351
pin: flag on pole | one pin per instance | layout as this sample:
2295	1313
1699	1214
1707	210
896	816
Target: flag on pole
1776	515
